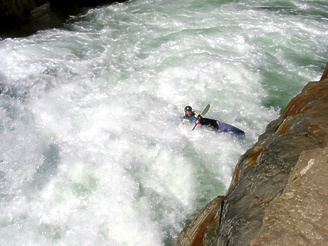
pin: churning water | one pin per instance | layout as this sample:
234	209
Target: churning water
91	148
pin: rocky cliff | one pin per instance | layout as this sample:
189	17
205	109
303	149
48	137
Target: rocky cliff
25	17
278	194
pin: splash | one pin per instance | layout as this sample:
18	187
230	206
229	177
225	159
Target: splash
92	150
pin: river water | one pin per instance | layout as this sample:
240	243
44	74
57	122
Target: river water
91	148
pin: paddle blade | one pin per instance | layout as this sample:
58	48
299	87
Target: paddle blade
205	110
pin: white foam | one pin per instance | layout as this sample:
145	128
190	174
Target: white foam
92	151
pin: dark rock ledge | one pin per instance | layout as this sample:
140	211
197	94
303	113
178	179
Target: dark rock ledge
279	191
19	18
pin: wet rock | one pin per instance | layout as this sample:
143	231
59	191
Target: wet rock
299	215
202	222
23	18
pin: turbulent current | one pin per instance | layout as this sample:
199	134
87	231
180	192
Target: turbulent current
91	147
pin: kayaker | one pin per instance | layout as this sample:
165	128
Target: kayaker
189	117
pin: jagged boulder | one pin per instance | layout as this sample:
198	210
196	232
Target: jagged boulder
21	18
278	194
25	17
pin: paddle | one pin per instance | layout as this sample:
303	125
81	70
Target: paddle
201	114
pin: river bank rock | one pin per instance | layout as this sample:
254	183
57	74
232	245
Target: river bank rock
23	18
278	194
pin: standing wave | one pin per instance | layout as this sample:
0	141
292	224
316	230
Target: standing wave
91	148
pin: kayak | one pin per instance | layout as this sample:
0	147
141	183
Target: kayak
221	127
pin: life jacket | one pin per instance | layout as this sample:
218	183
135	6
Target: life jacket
189	119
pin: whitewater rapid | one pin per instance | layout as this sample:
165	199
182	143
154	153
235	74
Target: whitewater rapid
91	148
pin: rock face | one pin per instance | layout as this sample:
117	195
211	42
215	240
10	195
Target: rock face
25	17
278	194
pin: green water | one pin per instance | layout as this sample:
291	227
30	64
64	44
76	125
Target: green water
91	148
